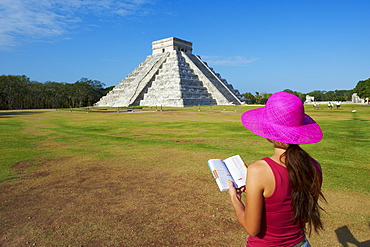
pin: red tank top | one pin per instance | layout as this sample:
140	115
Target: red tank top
277	229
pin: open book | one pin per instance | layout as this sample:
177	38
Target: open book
232	168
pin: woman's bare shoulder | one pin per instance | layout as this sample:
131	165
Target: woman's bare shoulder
261	175
259	166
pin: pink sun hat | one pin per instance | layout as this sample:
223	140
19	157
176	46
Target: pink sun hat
283	119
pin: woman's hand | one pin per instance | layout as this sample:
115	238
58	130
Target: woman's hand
235	193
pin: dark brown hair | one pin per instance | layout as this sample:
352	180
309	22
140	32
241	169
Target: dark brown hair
306	183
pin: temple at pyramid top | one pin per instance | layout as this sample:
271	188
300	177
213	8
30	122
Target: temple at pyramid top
172	44
172	76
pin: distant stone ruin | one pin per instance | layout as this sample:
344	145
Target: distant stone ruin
172	76
355	100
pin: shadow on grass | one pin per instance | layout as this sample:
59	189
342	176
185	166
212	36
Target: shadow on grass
345	236
5	113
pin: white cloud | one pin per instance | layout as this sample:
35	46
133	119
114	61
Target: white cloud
30	20
228	61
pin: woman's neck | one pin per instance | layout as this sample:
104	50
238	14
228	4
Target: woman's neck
279	149
277	156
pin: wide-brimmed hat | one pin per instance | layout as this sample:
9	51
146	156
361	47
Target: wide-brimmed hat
283	119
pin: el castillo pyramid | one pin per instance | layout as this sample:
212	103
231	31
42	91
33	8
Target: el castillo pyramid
172	76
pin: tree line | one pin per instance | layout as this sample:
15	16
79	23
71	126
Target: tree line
19	92
337	95
362	89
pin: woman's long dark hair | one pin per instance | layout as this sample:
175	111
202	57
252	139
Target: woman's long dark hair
306	183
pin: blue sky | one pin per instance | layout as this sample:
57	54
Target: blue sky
257	45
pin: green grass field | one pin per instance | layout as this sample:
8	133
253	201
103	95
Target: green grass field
99	177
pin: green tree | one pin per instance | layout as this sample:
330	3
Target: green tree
329	96
298	94
261	98
87	91
108	89
35	95
12	91
250	97
343	95
363	89
318	95
55	95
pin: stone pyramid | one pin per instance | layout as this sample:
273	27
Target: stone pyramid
172	76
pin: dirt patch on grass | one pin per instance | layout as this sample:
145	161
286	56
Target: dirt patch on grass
23	165
81	202
170	200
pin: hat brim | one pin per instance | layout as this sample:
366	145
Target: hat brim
308	132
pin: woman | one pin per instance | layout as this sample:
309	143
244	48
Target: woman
282	191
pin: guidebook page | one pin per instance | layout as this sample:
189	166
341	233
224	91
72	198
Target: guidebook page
237	169
220	173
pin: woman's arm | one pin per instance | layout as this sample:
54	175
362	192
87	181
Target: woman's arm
250	215
236	196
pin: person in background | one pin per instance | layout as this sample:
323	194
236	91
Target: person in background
282	191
